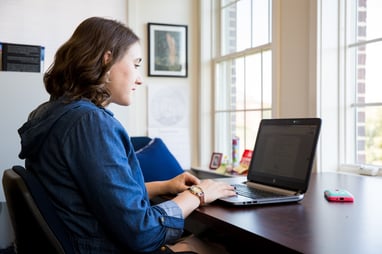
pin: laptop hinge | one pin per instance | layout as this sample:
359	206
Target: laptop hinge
271	188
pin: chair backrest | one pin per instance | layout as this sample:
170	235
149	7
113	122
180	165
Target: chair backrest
37	227
139	141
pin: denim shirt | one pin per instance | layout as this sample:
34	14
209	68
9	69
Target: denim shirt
85	159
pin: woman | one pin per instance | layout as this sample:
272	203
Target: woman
85	159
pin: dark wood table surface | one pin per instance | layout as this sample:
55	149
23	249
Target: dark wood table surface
313	225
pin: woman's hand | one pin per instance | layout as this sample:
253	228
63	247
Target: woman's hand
215	189
181	182
212	190
173	186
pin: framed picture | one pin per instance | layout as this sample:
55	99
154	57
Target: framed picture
167	54
216	160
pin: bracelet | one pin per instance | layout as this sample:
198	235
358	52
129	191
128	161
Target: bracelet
196	190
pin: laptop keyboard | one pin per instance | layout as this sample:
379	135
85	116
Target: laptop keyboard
246	191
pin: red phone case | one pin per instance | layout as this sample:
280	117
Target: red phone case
338	195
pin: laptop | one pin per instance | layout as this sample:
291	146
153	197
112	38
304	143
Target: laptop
281	162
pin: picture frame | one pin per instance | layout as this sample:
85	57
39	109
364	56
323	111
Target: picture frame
216	160
167	50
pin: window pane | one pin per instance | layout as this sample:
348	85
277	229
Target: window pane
261	22
236	27
259	80
372	16
370	67
364	20
243	27
253	82
239	85
228	29
245	24
369	132
225	2
222	90
252	122
267	79
224	128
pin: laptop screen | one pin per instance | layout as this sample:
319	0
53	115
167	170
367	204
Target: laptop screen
284	152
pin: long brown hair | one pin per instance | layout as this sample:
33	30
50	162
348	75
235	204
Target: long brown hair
78	70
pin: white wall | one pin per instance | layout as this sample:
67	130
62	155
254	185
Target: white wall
294	59
21	93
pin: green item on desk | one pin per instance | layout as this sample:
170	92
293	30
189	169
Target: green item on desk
221	169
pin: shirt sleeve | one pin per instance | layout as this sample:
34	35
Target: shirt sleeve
172	210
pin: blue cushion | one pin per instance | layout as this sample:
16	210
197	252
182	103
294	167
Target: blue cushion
139	141
157	162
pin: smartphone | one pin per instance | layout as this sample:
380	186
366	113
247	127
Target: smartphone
338	195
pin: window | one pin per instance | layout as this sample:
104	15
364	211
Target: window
363	81
242	72
350	47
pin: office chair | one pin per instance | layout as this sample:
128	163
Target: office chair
37	227
157	162
139	142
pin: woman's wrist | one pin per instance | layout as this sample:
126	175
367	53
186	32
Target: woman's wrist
198	191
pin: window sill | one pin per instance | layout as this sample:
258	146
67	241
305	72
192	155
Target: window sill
363	170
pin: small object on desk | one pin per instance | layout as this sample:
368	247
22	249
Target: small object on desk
338	195
368	170
216	160
235	151
244	163
222	169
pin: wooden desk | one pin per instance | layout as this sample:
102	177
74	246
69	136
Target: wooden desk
312	226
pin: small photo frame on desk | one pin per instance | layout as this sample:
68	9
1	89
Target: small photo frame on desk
216	160
167	52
